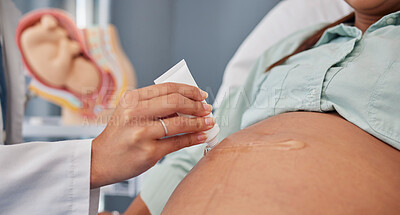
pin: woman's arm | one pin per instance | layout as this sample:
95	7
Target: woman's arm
137	207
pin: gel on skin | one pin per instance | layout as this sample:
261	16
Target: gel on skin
180	74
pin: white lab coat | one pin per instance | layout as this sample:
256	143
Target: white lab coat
47	178
40	177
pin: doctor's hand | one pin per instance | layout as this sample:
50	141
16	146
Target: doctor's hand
133	140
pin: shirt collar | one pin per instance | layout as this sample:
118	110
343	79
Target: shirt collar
342	30
390	19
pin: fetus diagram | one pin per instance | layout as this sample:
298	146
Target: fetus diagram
85	71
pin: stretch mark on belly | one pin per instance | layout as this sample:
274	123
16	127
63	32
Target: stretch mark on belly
218	188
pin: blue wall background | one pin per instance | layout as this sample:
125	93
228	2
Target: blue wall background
156	34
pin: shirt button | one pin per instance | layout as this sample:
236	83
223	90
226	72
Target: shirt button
390	21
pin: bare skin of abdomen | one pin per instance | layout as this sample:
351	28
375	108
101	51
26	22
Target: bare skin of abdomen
294	163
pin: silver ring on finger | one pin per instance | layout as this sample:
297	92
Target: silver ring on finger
164	126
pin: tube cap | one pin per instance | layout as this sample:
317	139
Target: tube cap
212	143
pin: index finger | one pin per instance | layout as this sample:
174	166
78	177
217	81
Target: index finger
158	90
171	144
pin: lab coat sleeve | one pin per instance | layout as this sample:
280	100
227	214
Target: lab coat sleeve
47	178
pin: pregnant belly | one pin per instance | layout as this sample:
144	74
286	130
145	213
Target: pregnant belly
294	163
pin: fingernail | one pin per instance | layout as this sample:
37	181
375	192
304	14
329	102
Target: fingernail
210	121
207	107
202	137
204	94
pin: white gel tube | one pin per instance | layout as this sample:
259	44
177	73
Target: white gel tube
180	74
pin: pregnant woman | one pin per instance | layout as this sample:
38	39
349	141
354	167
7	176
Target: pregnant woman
345	160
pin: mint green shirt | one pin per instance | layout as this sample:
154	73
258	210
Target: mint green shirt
355	74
